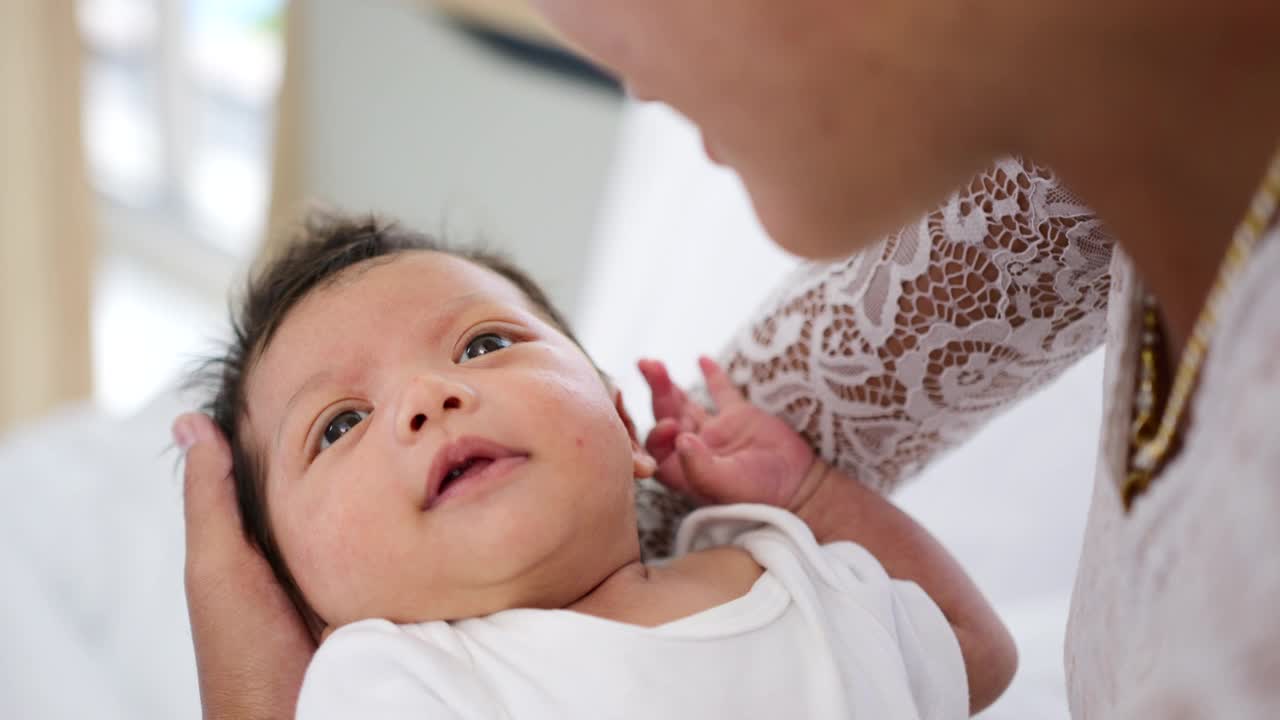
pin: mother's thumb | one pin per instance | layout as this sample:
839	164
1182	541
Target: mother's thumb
208	488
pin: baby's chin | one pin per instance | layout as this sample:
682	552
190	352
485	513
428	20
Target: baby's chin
536	590
538	561
476	607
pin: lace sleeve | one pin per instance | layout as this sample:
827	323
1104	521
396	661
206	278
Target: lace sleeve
886	359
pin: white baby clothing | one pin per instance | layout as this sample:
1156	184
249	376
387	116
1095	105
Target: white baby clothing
823	633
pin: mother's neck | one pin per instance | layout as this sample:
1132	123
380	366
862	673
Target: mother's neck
1179	124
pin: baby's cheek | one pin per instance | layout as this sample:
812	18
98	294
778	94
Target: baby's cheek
337	551
600	445
588	423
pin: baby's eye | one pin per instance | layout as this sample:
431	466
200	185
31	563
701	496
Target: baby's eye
340	425
482	345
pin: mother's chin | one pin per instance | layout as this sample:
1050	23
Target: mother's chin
830	215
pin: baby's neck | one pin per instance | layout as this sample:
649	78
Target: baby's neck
652	595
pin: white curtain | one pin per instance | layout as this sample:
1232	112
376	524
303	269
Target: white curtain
46	246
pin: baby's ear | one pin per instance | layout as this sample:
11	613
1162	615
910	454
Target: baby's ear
642	463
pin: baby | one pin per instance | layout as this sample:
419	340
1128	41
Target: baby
444	484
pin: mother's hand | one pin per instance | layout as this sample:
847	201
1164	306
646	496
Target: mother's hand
252	647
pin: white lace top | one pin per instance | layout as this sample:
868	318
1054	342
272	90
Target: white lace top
887	359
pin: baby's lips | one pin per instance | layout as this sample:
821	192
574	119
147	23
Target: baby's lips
456	453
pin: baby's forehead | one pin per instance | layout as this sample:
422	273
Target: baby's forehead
426	274
422	293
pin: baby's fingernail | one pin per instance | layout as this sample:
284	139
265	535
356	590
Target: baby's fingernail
184	433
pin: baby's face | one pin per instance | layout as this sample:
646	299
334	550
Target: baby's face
435	449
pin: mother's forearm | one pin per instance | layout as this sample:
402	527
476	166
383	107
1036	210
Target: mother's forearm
888	358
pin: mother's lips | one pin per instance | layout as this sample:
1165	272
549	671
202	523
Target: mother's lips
470	455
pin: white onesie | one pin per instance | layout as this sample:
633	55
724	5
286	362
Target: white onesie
823	633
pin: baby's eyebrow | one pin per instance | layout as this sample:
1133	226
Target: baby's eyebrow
444	315
311	383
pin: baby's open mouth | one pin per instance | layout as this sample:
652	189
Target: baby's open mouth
467	466
464	460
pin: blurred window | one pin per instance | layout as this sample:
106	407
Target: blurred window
178	111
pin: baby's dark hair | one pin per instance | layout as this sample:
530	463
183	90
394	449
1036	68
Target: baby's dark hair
324	247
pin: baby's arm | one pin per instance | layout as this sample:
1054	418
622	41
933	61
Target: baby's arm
838	507
744	454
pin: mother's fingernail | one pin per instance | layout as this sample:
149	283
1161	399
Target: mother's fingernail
184	433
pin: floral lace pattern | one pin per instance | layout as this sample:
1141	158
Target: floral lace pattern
890	357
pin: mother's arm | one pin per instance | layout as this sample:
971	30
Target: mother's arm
886	359
252	647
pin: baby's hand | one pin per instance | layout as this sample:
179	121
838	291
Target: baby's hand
740	454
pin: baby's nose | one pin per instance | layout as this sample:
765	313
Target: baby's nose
419	419
428	400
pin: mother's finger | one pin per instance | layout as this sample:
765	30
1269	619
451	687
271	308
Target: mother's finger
209	506
251	646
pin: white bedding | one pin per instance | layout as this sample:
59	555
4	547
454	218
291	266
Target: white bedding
91	551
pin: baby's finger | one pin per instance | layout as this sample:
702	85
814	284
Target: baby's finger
661	442
701	467
671	473
693	417
723	391
668	399
652	370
